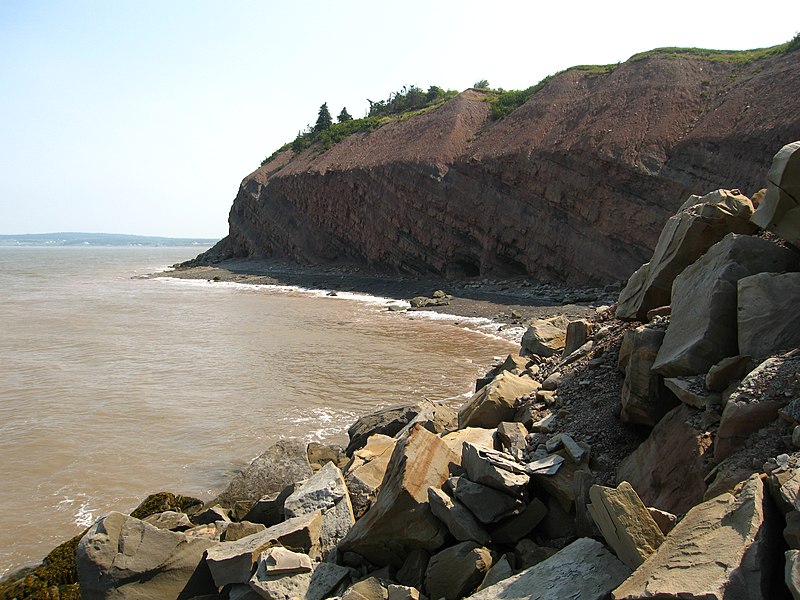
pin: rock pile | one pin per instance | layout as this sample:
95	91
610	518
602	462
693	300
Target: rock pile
528	491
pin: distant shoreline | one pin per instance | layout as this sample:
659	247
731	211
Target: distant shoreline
64	239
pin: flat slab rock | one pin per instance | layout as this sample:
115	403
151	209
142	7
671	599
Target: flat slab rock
584	570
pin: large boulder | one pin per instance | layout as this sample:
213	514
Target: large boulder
124	557
457	571
625	523
698	225
459	520
400	520
546	337
365	471
756	402
720	550
780	209
702	329
393	420
493	468
584	570
668	469
645	398
768	315
495	402
280	465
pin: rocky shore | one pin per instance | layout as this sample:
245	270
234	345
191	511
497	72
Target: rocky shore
647	450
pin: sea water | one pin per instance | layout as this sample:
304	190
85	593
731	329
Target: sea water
114	386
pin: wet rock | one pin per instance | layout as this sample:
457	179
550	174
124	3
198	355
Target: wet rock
123	557
459	520
625	523
668	469
721	546
767	317
457	571
702	329
583	570
545	337
269	473
366	470
496	402
779	211
698	224
400	520
644	397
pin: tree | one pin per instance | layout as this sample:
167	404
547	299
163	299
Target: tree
324	120
344	116
481	85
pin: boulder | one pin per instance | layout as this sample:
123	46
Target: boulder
513	437
366	589
487	504
755	403
702	329
269	473
666	521
692	391
404	592
282	575
400	520
124	557
768	319
625	523
518	526
365	472
474	435
780	209
644	397
792	573
791	533
495	402
319	454
237	531
728	370
668	469
412	573
561	485
457	571
545	337
233	562
720	549
528	553
459	520
492	468
584	570
268	510
327	580
169	519
784	485
391	421
576	336
501	569
687	235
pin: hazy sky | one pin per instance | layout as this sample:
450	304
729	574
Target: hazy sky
143	116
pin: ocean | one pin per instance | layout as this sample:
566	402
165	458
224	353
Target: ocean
114	385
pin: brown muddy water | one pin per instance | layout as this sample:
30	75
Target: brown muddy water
114	386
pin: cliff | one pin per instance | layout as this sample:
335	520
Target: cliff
573	186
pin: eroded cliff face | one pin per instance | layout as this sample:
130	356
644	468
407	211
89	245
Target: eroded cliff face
573	186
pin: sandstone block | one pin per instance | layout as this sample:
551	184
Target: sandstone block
169	519
721	547
237	531
400	520
269	473
692	391
367	589
545	337
576	336
518	526
324	489
513	437
702	330
728	370
491	468
625	523
404	592
281	575
366	470
457	571
412	573
644	397
478	436
459	520
327	580
778	211
123	557
768	317
584	570
668	469
496	402
698	224
561	485
487	504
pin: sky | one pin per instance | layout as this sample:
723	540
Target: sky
143	117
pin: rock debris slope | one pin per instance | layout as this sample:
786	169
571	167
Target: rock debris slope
573	186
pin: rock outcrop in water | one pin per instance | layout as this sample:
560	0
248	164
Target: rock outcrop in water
573	186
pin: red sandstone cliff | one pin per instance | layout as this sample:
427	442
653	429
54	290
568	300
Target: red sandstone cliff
574	185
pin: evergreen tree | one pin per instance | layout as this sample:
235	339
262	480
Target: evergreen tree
344	116
324	120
